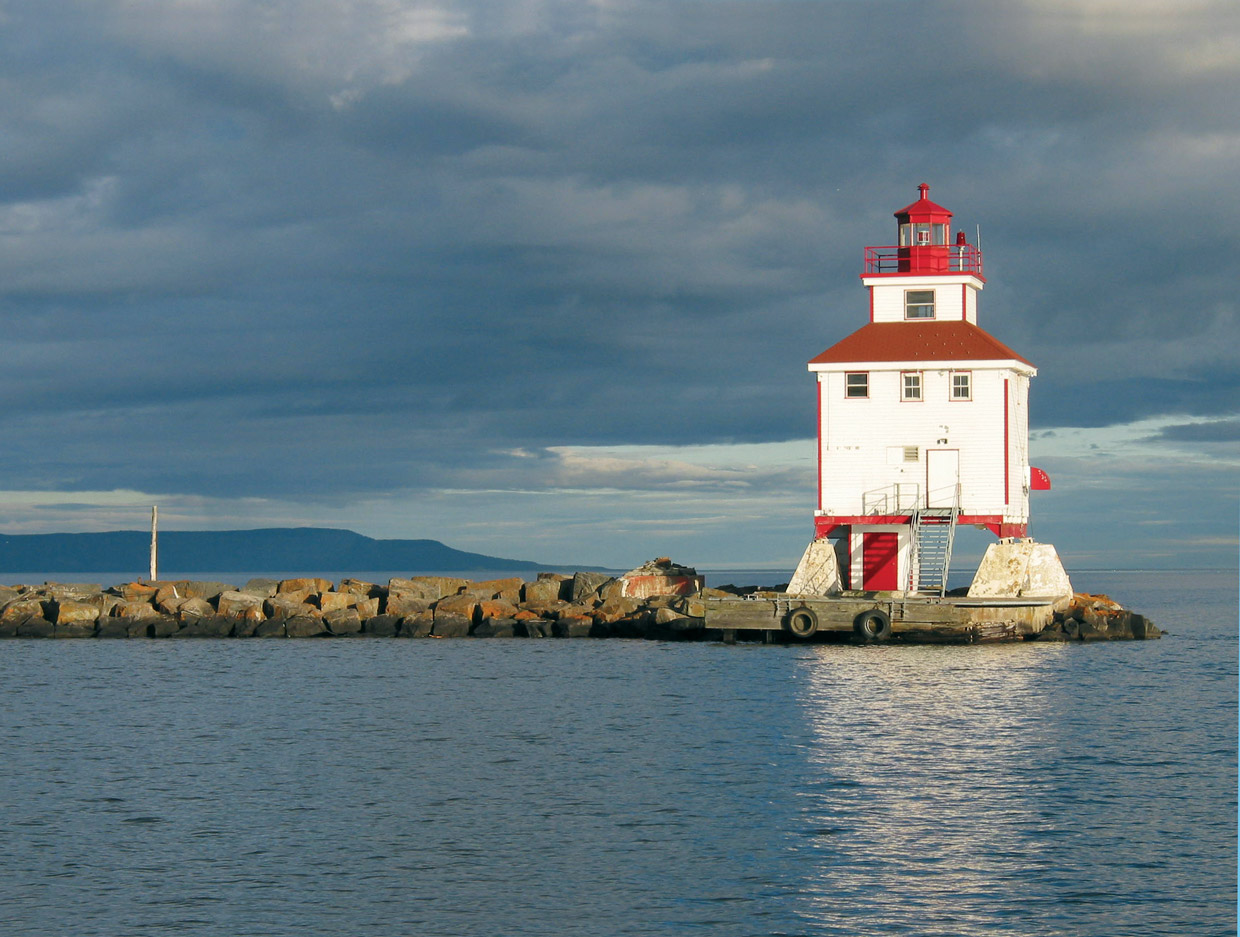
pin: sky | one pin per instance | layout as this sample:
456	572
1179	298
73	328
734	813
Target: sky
540	279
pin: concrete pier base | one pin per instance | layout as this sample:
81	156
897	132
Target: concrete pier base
818	573
1022	568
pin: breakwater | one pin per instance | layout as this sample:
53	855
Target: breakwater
584	604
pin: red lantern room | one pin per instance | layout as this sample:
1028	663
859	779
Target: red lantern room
924	243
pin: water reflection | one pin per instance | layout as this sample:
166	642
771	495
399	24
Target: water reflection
920	808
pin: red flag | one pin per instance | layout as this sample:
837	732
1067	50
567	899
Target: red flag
1039	480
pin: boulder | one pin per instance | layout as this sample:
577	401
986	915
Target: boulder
69	612
195	607
417	625
71	590
135	609
381	626
368	608
533	628
431	588
139	591
495	608
406	603
572	626
496	628
271	628
288	606
170	604
208	626
115	627
263	588
16	612
305	585
8	595
343	621
615	609
506	589
75	629
585	585
333	601
450	624
246	627
163	627
196	589
542	592
35	627
241	605
360	587
303	626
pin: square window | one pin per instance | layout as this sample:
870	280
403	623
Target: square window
910	385
857	384
919	304
962	385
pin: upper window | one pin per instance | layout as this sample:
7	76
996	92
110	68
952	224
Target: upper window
910	385
962	385
857	384
919	304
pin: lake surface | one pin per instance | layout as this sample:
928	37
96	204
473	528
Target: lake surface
628	787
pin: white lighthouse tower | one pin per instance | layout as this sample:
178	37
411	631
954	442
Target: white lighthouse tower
922	416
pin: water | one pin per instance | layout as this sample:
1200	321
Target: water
627	787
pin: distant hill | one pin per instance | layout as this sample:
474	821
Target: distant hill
306	549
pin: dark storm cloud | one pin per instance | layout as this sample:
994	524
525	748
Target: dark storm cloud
349	247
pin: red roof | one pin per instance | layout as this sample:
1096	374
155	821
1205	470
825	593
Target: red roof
918	341
923	206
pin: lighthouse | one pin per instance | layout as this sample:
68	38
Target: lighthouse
922	415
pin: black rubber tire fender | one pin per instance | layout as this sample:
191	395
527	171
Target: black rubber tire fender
802	622
872	625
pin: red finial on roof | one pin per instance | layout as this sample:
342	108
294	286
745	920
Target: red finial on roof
924	189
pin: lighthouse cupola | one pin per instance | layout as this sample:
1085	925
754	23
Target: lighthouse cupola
923	231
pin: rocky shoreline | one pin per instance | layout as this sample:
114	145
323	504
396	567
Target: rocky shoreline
585	604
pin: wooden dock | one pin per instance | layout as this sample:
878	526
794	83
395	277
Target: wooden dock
875	617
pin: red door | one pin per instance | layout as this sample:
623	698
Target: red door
879	555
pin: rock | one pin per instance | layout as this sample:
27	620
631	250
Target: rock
304	585
69	612
195	589
368	608
163	627
381	626
35	627
116	627
139	592
271	628
406	603
533	628
333	601
166	593
496	608
16	612
1143	629
431	588
542	592
263	588
666	616
615	609
8	595
247	627
207	626
241	605
71	590
585	585
572	626
464	605
367	590
75	629
303	626
496	628
343	621
195	607
661	577
289	605
171	604
417	625
135	609
450	624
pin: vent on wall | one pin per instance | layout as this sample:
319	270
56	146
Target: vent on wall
910	453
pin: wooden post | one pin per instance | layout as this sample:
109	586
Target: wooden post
154	543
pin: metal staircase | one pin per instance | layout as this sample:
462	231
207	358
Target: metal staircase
933	534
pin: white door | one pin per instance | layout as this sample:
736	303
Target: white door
942	477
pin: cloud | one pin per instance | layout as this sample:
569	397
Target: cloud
328	252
